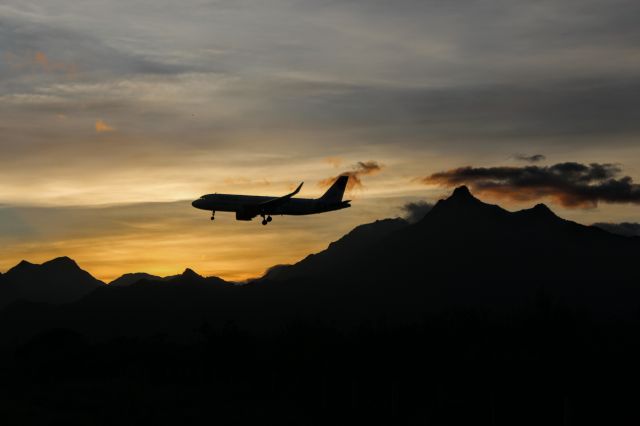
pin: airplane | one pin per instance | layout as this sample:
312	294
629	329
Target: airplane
246	207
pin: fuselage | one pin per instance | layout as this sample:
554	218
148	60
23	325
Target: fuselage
240	203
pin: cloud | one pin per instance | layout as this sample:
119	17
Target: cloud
627	229
361	168
41	59
414	211
536	158
102	127
244	181
38	61
570	184
334	161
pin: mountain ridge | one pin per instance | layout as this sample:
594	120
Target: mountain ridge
59	280
461	202
463	254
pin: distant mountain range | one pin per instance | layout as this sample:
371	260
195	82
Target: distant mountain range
61	280
464	254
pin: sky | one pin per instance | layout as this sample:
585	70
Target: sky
114	115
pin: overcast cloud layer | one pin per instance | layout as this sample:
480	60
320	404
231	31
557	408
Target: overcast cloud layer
134	101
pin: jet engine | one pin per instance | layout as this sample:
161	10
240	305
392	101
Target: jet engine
244	215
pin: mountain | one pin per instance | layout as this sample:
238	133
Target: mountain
132	278
188	276
58	281
358	240
625	228
464	254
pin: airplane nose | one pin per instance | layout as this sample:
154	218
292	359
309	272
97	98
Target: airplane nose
200	203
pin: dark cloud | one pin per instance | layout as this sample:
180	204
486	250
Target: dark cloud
577	111
453	76
627	229
361	168
571	184
536	158
40	52
415	210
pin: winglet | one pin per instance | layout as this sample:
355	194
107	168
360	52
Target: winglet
280	200
297	189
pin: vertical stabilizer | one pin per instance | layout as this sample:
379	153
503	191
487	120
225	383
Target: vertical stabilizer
334	194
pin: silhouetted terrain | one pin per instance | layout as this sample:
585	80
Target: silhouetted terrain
472	315
128	279
356	241
57	281
464	254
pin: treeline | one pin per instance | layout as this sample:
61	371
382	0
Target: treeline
552	367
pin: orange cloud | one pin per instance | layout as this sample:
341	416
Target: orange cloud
102	127
39	61
362	168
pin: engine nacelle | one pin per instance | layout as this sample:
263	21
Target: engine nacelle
243	215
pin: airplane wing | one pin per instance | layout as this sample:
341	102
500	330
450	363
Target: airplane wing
276	202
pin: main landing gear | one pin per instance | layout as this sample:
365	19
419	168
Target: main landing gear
266	219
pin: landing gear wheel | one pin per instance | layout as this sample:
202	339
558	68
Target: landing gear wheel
213	216
269	219
265	221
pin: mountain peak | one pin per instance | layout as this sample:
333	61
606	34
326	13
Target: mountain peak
190	273
132	278
59	280
542	209
22	266
462	194
62	261
462	191
540	212
462	208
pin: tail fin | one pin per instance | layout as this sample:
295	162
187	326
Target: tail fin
334	194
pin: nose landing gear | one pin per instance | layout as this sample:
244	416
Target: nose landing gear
213	215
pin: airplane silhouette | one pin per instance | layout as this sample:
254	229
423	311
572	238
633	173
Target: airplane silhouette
246	207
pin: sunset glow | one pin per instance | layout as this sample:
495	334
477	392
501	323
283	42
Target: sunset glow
110	126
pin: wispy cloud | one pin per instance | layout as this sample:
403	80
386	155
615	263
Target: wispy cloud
361	168
334	161
414	211
38	61
102	127
536	158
